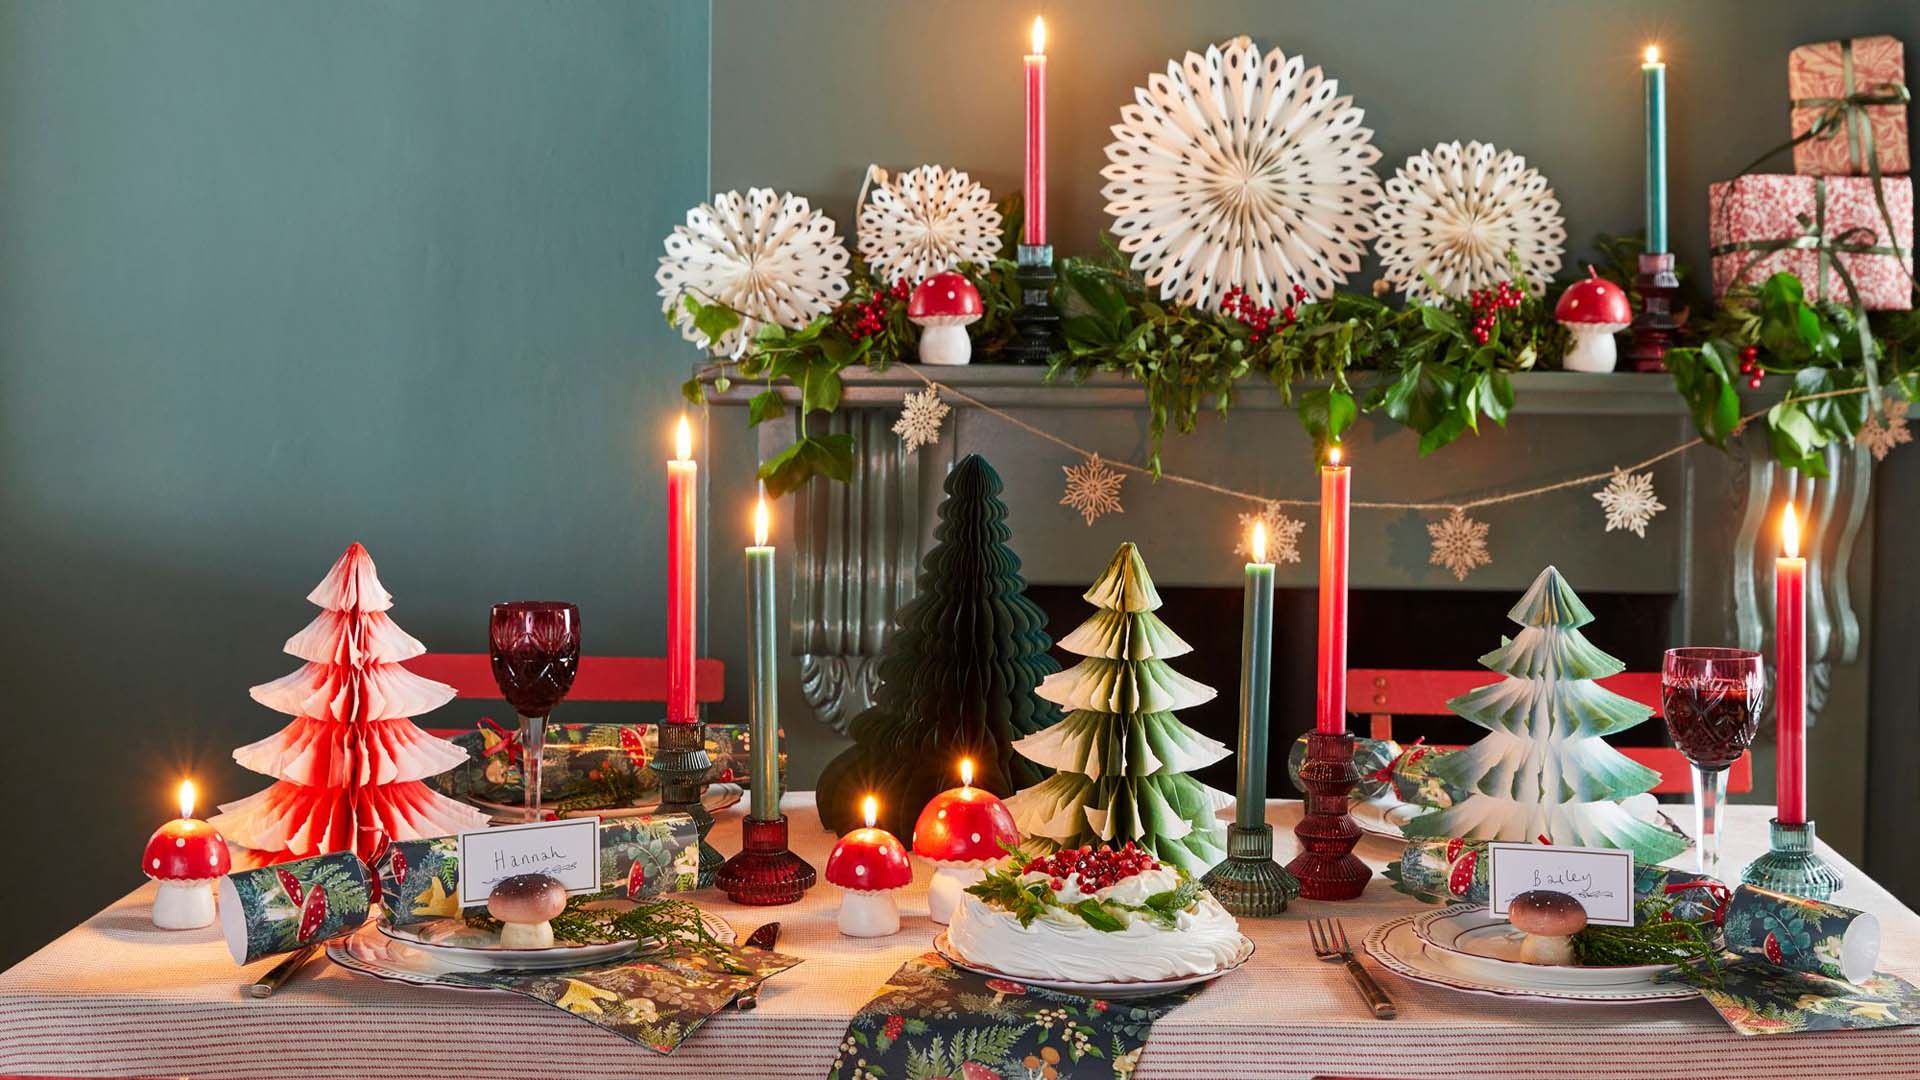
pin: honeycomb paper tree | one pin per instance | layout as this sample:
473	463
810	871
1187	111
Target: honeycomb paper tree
1543	769
349	766
958	675
1122	756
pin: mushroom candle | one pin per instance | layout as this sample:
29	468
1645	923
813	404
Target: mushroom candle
961	832
943	306
185	856
869	865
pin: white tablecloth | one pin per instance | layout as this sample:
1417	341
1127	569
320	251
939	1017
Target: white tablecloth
116	997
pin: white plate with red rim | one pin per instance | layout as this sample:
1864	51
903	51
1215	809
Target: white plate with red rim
369	951
1112	991
1475	940
1395	946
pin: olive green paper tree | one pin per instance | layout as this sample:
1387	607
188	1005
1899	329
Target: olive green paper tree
958	675
1122	756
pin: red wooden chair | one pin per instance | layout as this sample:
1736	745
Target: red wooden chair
600	678
1383	693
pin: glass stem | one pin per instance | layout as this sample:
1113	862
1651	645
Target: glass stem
1709	794
533	745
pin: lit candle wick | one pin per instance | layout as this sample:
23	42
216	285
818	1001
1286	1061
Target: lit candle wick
760	523
870	807
1259	541
1653	54
186	798
1039	36
683	440
1790	533
1333	456
966	772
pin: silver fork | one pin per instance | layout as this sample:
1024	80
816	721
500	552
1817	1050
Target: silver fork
1330	944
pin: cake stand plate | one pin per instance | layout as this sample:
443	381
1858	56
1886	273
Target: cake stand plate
1111	991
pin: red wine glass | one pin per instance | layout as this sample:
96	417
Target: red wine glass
1713	699
536	649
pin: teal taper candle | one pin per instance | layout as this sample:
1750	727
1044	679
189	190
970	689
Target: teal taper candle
1256	661
763	683
1653	76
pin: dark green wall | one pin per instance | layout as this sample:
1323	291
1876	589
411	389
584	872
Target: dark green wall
276	277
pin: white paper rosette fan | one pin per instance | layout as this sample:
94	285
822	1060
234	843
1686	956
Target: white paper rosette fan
924	221
1455	214
770	257
1241	168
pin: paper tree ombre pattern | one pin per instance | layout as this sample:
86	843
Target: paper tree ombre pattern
1122	756
350	765
1544	769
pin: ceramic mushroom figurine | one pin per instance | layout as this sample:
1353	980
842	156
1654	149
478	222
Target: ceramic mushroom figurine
185	856
942	306
1592	311
526	903
1549	919
961	832
869	865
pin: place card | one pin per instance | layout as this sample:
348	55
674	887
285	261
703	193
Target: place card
1600	878
567	851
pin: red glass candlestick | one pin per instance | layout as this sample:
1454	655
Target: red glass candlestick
766	871
1658	325
1326	866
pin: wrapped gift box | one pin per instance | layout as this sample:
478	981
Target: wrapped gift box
1822	79
1806	225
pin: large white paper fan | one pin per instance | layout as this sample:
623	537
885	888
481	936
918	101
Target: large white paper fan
1241	168
1456	214
924	221
771	257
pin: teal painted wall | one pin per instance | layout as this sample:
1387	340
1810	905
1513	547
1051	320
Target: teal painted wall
276	277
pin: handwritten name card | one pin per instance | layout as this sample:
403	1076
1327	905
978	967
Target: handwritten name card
1600	878
567	851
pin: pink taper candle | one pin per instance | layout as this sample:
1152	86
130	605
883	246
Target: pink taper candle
1790	682
683	483
1035	231
1335	486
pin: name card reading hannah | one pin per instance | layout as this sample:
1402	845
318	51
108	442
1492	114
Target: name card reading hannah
1600	878
567	851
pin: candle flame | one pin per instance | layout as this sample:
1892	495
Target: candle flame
870	808
1259	544
966	772
1333	456
760	522
1039	36
1653	54
1790	533
683	440
186	798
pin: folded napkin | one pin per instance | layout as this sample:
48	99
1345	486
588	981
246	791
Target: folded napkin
933	1019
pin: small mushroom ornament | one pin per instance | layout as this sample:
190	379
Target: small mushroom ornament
1549	919
1593	311
942	306
525	904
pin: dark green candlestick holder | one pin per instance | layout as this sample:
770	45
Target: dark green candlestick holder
1036	324
681	763
1791	865
1248	883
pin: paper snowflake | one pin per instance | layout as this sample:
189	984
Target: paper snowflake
770	257
1459	544
1092	488
1881	436
1283	534
920	417
926	220
1456	214
1630	502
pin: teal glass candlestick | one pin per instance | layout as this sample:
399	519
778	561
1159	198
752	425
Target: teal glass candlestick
1792	866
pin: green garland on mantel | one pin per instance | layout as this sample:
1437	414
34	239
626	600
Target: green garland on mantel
1436	376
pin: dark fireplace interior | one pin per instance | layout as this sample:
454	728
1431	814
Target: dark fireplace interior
1405	629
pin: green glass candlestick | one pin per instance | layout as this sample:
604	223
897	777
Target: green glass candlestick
1792	866
1248	882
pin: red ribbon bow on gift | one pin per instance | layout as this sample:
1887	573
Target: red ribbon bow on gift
509	741
1408	754
1720	894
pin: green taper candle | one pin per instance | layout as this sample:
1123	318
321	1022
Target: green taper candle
1256	661
1653	75
763	682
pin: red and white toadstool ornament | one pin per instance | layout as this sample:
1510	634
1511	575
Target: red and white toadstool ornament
942	306
1593	311
869	865
185	856
961	832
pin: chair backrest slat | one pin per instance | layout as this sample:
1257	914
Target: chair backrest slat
600	678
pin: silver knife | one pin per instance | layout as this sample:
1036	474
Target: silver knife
282	971
763	938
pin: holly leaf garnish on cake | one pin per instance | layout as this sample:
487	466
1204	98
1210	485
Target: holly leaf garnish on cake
1004	889
1098	916
1164	907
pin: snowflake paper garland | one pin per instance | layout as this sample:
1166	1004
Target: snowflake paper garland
1283	534
1459	544
772	258
1093	488
1241	168
920	418
1881	436
1456	213
1629	501
924	221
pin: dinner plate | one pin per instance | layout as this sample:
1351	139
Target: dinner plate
476	947
1398	949
1113	991
715	798
1475	940
370	952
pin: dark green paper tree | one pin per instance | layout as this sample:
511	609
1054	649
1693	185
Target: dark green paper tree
958	675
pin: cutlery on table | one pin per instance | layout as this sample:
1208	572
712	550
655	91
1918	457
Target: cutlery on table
282	971
1330	944
763	938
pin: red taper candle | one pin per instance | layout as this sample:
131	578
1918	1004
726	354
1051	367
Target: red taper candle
683	484
1790	663
1331	700
1034	231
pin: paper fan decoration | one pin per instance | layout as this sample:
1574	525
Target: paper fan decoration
772	258
1241	168
926	220
1455	214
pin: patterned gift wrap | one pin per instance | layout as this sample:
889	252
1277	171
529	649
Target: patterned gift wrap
1802	935
1855	90
419	880
1822	229
586	766
288	906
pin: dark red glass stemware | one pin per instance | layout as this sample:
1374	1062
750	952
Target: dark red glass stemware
535	646
1712	698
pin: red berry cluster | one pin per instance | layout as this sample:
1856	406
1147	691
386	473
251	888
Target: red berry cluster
1488	304
867	319
1090	868
1239	304
1750	366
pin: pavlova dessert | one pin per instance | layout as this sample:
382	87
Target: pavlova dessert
1093	915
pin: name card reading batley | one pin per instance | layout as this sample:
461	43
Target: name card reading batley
567	851
1600	878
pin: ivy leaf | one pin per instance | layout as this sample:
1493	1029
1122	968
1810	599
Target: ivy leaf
1327	412
1448	428
830	456
1795	440
1703	379
711	320
1498	402
1441	321
1422	397
693	391
765	405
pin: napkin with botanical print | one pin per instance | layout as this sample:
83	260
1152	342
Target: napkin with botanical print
656	1003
